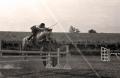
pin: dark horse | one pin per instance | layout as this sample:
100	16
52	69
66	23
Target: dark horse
43	41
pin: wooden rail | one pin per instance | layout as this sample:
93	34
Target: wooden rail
18	53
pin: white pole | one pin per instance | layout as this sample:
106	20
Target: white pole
67	51
108	51
67	65
102	50
58	56
58	66
49	65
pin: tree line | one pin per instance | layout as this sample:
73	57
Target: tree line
73	29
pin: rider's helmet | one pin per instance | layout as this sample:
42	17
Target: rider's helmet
42	25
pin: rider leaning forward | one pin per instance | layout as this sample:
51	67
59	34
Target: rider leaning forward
35	30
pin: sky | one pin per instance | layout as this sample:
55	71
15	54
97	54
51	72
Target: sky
101	15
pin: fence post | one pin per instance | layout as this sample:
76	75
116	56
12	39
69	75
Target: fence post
49	65
58	66
67	65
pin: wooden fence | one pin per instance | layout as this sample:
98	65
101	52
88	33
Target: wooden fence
87	47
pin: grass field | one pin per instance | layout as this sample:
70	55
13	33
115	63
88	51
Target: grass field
82	67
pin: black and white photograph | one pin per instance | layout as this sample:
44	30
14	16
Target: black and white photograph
59	38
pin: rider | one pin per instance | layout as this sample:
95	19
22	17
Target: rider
36	29
42	27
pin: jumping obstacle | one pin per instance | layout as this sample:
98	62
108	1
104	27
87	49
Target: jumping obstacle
106	54
48	56
58	65
49	64
67	65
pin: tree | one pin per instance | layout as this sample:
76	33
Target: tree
92	31
74	30
71	30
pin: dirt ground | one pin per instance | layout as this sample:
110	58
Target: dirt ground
82	67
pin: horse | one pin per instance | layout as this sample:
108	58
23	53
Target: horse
41	36
43	41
